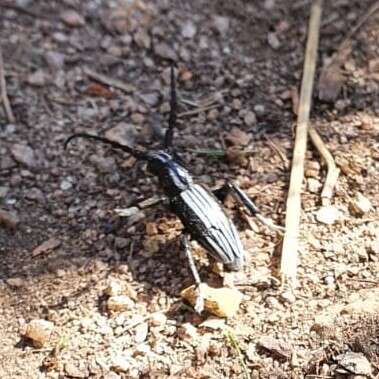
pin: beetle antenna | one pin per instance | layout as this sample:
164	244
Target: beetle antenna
135	153
173	105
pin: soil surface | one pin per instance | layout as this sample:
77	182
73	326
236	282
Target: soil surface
239	66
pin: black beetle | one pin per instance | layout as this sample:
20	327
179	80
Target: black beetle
199	210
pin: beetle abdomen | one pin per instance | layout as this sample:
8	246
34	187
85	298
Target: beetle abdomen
207	223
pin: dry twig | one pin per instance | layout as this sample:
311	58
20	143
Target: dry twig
333	171
111	82
290	242
199	110
4	94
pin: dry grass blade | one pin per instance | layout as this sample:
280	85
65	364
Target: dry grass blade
289	258
4	94
333	171
101	78
235	345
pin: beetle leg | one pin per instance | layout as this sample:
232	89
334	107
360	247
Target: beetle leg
243	199
199	305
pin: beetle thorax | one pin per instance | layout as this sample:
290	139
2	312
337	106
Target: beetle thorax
173	176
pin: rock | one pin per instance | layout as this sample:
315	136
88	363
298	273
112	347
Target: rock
353	363
259	109
104	165
158	319
8	219
72	18
221	24
55	60
328	215
188	29
324	326
360	205
39	332
115	288
287	297
165	51
273	40
35	194
250	119
74	371
222	302
46	247
119	303
111	375
151	98
141	331
368	305
121	363
15	282
37	78
278	349
187	331
122	133
121	242
24	154
142	39
313	185
3	191
65	184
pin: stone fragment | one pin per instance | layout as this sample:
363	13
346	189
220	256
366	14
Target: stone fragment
328	215
37	78
8	219
72	18
39	332
115	288
222	302
353	363
187	331
74	371
122	133
278	349
141	331
165	51
221	24
15	282
360	205
250	118
188	29
24	154
158	319
119	303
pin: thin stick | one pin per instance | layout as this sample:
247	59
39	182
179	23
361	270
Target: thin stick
4	95
278	151
333	171
199	110
289	258
111	82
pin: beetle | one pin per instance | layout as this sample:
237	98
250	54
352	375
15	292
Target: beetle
199	210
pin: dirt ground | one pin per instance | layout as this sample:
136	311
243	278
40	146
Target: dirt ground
239	64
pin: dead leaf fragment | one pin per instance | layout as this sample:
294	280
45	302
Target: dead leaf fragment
222	302
98	90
